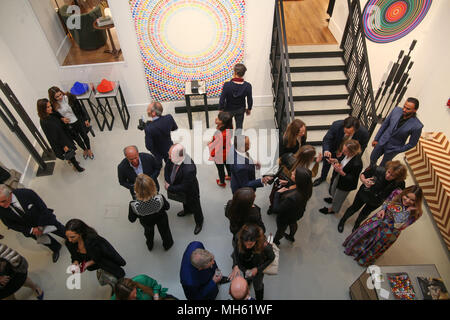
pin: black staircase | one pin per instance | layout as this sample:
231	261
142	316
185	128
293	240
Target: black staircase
321	83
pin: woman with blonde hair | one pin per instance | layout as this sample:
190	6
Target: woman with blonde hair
294	137
150	207
345	176
378	233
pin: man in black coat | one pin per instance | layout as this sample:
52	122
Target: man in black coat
339	132
24	211
180	174
157	132
134	164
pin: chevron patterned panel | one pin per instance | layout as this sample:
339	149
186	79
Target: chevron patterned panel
430	163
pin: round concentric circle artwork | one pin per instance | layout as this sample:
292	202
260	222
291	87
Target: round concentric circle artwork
183	40
389	20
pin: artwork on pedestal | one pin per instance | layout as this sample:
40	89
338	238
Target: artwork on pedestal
183	40
389	20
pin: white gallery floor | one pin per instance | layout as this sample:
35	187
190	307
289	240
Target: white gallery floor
313	267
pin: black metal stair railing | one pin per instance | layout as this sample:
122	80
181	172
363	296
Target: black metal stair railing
361	98
281	78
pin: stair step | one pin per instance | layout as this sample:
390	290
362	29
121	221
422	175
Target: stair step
320	105
320	97
318	128
317	68
316	76
321	120
319	90
322	112
314	48
309	83
312	55
313	62
315	136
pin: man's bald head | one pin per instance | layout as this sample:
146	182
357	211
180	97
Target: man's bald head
177	153
239	288
132	154
155	109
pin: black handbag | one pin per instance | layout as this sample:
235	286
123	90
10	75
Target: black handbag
178	197
69	154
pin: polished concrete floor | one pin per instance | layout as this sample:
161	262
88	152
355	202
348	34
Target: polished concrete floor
313	267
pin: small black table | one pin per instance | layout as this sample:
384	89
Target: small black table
201	92
106	107
86	97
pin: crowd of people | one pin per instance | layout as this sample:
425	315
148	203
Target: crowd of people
64	123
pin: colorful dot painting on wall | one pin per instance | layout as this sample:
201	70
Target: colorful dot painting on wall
389	20
183	40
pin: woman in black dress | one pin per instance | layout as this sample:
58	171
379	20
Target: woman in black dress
242	210
71	112
14	274
90	251
378	184
289	204
251	256
57	135
150	207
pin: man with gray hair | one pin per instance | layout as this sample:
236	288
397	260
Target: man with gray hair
199	274
24	211
136	162
157	131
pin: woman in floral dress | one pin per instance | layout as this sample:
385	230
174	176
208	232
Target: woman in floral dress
379	232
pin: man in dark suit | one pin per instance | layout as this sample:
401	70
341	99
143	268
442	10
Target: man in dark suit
180	174
24	211
339	132
197	273
242	166
135	163
157	131
396	128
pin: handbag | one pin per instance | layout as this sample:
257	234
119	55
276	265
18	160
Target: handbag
272	268
178	197
69	154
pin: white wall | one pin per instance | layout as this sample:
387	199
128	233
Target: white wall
429	74
29	64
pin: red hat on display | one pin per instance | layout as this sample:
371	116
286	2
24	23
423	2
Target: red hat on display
105	86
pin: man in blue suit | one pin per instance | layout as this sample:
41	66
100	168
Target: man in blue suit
134	164
396	128
198	273
339	132
242	166
157	132
24	211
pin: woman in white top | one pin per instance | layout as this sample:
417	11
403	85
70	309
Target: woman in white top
74	116
347	168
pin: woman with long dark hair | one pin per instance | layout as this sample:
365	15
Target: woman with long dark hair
378	184
377	234
220	145
289	204
90	251
251	256
57	135
294	137
242	210
72	113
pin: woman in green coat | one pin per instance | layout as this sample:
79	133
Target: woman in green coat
141	287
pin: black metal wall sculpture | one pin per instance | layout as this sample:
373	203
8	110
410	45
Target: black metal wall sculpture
9	119
395	84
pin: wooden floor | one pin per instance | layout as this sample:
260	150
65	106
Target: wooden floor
306	22
77	56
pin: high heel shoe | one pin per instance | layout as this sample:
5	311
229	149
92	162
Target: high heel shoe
91	156
223	185
41	295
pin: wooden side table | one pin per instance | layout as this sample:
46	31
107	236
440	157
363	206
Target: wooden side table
201	92
114	51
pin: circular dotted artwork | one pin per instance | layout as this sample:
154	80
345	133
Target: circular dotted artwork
183	40
389	20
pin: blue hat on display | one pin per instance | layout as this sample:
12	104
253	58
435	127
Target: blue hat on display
79	88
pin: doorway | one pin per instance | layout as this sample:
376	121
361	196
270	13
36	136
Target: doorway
306	22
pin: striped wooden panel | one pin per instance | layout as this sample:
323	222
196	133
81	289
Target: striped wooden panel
430	163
